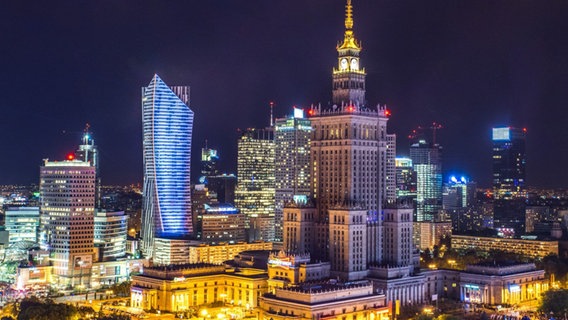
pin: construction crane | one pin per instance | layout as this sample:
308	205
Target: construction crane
419	131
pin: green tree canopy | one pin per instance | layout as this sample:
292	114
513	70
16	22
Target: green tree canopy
555	301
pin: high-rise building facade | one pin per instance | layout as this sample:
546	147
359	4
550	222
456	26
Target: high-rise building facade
405	179
509	162
110	234
67	197
255	193
221	223
352	155
427	163
509	169
22	224
167	126
292	162
209	158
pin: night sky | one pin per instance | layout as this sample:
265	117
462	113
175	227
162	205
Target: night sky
469	65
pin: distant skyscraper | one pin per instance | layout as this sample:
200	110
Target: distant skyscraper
209	158
458	193
509	167
292	162
222	188
255	192
405	179
67	197
427	163
509	162
167	124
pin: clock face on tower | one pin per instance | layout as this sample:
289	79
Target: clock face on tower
343	64
354	64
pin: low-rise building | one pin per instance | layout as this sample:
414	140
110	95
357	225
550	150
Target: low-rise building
325	300
178	288
533	248
502	284
490	284
200	252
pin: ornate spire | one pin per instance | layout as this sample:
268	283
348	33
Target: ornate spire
348	15
349	41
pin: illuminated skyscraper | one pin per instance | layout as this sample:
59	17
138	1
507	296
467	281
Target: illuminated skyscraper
255	192
292	162
22	224
209	158
509	167
352	155
427	163
405	179
167	125
67	197
509	162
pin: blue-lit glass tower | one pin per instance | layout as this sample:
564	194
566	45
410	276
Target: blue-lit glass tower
167	125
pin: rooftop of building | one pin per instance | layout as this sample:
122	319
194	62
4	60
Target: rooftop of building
496	238
171	272
500	267
348	109
318	292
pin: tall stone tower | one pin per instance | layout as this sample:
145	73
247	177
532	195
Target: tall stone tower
351	152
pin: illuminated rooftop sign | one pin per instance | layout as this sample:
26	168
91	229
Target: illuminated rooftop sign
501	134
298	113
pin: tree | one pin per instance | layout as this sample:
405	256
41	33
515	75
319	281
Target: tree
34	309
555	301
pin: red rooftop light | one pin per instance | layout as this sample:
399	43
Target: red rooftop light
70	157
387	112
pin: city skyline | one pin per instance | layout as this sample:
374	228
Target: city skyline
471	67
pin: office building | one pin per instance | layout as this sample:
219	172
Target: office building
221	252
292	162
509	168
67	197
22	224
255	193
458	194
427	163
110	234
209	159
526	247
405	179
222	188
167	130
220	223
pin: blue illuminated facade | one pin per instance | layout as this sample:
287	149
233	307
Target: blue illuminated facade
167	125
